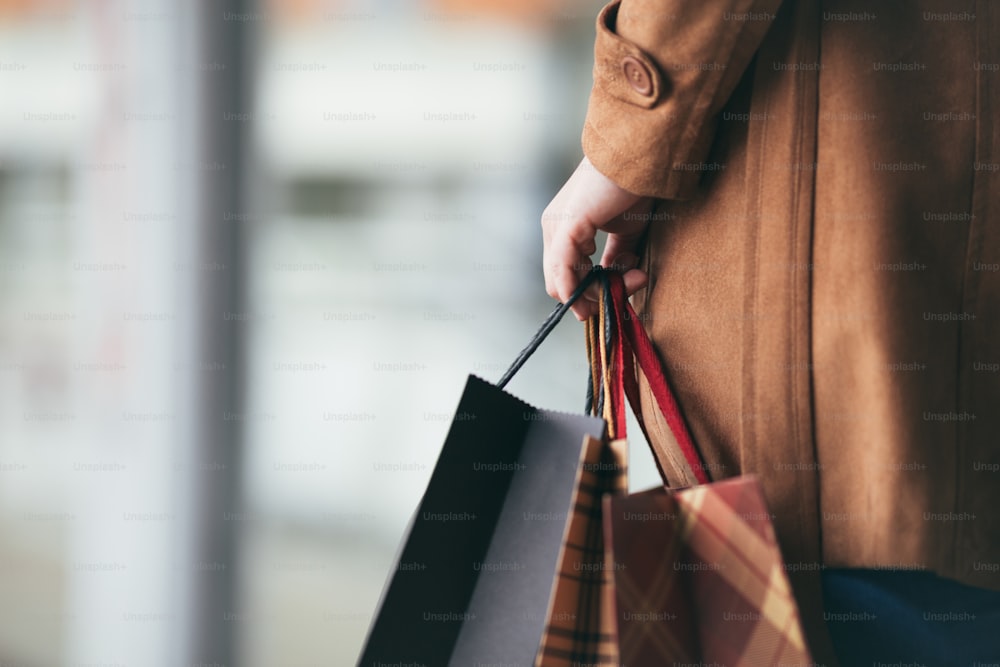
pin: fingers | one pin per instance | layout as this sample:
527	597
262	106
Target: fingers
635	280
569	241
565	264
588	304
564	271
587	202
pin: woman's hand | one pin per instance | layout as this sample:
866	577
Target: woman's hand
590	201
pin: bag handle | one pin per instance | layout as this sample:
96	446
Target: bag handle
605	350
548	325
637	344
622	341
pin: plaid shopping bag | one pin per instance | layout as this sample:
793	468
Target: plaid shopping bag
579	627
648	596
578	630
743	603
696	575
699	578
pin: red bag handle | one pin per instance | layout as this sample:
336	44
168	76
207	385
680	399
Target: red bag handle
627	343
632	343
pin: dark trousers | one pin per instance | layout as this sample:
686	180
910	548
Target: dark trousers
910	619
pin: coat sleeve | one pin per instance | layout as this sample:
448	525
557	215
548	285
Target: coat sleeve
663	69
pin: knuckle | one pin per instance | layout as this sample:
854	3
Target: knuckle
549	216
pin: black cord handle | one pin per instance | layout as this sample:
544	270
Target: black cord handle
550	323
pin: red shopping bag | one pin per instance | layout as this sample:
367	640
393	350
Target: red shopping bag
696	575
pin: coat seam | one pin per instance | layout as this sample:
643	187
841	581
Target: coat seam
981	153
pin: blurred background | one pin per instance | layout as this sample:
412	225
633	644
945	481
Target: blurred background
249	252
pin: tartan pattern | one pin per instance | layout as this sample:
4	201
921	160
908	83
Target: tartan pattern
706	584
577	632
648	591
746	614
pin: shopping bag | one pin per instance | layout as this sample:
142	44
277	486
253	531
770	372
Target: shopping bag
578	626
696	575
578	629
699	578
473	582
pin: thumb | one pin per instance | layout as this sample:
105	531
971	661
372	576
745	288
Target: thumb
621	252
626	262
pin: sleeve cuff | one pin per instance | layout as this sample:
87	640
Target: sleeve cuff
639	132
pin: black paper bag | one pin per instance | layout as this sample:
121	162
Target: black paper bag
474	573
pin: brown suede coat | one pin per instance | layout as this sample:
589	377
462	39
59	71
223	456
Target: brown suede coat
825	275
